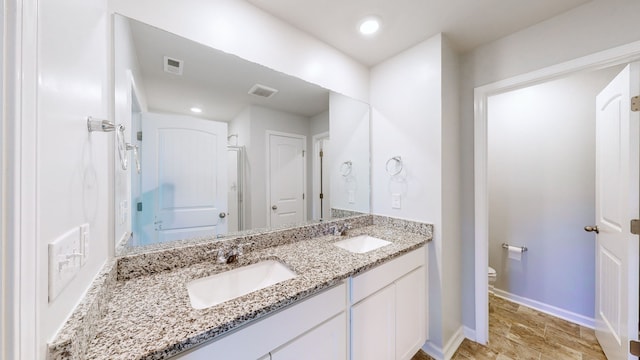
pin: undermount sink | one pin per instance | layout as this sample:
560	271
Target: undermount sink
228	285
361	244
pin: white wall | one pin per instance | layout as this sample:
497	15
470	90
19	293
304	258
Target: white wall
451	236
595	26
349	131
542	139
127	79
241	29
73	167
414	100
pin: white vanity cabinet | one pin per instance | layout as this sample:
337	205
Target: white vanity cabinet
317	324
379	314
388	311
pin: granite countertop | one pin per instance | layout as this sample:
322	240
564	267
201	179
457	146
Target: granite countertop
150	317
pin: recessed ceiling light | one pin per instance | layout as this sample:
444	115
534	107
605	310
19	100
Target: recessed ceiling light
369	26
196	110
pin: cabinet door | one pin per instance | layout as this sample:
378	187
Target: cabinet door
373	326
410	313
328	341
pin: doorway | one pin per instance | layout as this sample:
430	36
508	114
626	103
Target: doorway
483	94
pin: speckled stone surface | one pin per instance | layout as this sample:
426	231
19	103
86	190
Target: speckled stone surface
146	313
73	339
341	213
185	253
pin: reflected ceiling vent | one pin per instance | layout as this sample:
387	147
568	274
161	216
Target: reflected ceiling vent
173	66
262	91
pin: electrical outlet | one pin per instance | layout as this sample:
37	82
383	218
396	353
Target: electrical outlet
65	257
84	242
395	201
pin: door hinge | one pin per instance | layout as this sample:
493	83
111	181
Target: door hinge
634	348
302	153
321	153
635	103
302	196
321	196
139	206
635	226
139	135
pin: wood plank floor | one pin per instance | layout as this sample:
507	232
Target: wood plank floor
518	332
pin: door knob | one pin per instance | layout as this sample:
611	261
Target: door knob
592	229
274	207
222	215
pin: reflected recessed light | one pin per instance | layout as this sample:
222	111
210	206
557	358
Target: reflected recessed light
369	26
196	110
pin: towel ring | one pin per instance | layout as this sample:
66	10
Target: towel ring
122	146
345	168
394	165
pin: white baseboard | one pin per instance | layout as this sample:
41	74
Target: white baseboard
454	343
548	309
449	349
433	351
470	333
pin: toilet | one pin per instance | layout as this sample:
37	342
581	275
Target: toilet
492	278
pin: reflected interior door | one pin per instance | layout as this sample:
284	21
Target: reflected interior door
286	178
617	199
184	177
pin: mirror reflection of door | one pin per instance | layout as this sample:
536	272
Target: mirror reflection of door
184	178
286	178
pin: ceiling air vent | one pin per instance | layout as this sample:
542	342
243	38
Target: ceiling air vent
262	91
173	66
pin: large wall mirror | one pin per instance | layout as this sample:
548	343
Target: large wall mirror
210	144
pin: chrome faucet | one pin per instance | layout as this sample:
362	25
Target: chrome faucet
231	255
340	230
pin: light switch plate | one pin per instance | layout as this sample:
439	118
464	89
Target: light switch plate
352	197
84	243
64	261
396	201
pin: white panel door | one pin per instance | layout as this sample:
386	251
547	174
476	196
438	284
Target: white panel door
184	177
286	183
373	332
617	199
411	327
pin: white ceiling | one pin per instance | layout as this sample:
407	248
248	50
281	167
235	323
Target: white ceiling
213	80
467	23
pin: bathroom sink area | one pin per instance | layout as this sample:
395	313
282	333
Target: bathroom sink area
228	285
361	244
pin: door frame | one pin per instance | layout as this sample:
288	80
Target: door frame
599	60
315	164
19	236
268	134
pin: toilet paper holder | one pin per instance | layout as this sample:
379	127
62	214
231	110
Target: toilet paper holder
522	248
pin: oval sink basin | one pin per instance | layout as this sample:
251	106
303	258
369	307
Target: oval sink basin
218	288
361	244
